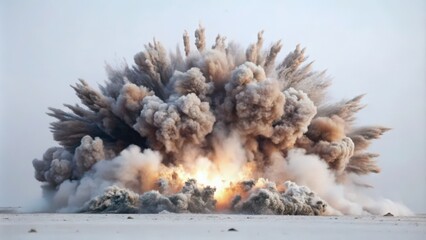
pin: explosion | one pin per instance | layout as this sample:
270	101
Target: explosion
221	129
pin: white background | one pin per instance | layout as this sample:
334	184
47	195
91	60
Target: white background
373	47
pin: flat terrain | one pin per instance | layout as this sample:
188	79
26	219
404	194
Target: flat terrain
207	226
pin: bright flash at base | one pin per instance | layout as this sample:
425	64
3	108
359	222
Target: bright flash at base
219	183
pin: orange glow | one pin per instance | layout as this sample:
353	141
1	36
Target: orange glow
222	176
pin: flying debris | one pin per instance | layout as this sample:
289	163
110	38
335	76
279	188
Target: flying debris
216	129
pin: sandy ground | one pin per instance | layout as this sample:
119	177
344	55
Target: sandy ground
200	226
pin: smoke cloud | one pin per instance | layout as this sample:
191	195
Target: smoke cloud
215	129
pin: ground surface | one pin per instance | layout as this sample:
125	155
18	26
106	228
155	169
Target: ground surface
200	226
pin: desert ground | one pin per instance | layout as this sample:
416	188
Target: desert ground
207	226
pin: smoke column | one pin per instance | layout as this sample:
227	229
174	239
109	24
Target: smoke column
216	129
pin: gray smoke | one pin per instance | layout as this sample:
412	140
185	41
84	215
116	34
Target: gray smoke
55	167
168	126
200	131
298	113
87	154
296	200
267	199
191	198
114	200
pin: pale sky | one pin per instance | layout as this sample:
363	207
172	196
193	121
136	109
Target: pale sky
373	47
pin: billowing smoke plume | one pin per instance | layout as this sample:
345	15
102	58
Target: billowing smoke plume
213	129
